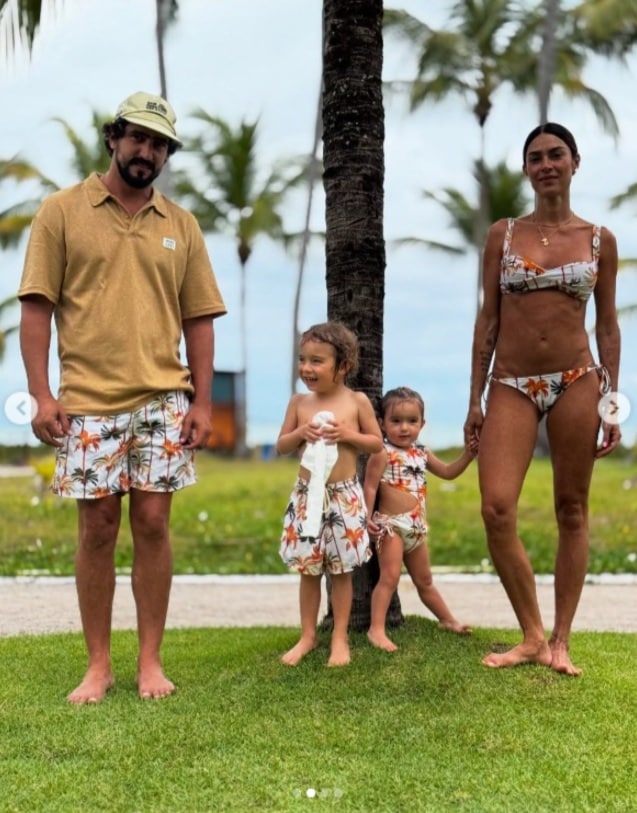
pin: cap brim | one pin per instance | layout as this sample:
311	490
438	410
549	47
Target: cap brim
151	123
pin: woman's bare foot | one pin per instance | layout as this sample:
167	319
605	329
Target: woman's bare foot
538	653
452	625
93	688
561	660
152	684
380	640
298	651
339	653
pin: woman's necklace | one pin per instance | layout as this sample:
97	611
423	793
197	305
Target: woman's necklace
543	238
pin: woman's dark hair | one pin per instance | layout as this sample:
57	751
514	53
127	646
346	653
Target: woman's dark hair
116	129
552	128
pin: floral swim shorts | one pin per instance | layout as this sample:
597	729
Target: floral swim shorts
112	454
342	542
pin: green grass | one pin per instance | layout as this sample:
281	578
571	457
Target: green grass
230	522
426	729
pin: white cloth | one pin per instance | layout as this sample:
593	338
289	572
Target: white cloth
319	459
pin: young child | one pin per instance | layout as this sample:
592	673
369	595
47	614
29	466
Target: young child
396	477
325	526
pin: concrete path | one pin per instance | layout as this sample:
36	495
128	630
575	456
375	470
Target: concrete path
46	605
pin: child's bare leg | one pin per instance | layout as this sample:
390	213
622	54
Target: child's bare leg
419	568
341	608
390	559
309	601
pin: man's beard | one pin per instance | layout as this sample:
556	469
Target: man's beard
128	175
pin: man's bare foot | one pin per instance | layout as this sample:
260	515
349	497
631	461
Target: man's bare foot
93	688
455	626
380	640
152	684
522	653
339	653
298	651
561	660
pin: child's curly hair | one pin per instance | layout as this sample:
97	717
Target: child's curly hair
401	394
343	340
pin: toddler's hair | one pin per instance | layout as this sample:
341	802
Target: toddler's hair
342	339
401	394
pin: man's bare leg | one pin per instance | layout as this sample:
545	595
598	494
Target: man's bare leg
342	591
309	602
98	522
151	581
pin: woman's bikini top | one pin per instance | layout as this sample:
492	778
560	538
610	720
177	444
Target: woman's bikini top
518	275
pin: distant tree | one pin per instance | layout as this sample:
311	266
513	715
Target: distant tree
487	45
19	23
5	332
85	158
231	197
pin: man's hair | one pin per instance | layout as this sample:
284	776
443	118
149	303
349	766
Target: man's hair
342	339
116	129
398	395
552	128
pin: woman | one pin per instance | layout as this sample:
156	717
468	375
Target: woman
531	348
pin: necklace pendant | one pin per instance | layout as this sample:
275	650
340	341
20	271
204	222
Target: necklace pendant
544	241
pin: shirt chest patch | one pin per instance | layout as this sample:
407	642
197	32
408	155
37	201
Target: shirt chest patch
169	243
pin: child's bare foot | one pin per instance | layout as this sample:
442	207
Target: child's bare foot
339	653
522	653
93	688
561	660
152	684
380	640
451	625
298	651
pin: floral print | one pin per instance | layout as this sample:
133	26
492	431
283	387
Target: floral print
111	454
342	542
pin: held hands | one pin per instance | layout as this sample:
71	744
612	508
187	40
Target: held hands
51	423
472	427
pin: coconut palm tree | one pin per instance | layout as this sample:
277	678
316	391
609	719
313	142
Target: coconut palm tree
234	198
86	157
488	45
506	197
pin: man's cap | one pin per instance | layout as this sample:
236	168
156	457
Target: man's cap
149	111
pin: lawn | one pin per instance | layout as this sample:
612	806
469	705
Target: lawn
230	522
425	729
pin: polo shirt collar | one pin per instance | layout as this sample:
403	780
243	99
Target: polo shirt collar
98	194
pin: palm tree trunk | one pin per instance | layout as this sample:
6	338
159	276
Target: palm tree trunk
312	171
353	142
546	63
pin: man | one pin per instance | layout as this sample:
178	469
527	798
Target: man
125	272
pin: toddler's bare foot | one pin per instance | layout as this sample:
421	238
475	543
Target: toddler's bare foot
561	660
452	625
152	684
93	688
339	653
380	640
298	651
522	653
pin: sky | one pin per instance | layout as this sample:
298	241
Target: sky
249	59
